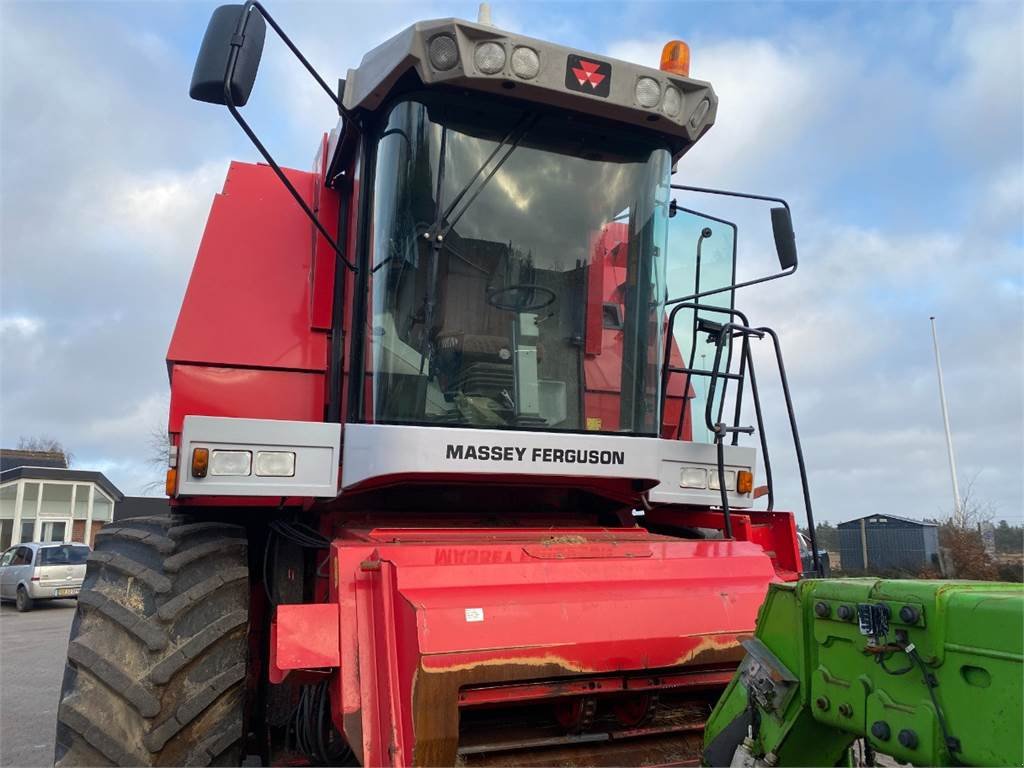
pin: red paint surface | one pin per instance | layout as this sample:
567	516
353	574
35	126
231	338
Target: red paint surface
602	364
248	299
305	637
244	393
325	260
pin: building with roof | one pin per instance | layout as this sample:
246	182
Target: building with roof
879	543
42	500
11	458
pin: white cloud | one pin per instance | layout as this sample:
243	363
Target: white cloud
769	98
160	213
981	109
19	325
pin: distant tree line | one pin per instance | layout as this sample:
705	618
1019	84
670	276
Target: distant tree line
1009	538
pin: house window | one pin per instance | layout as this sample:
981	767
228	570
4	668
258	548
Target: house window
8	504
29	502
8	500
56	500
102	507
81	502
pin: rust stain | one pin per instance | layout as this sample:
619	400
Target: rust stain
523	661
435	699
714	649
436	689
567	539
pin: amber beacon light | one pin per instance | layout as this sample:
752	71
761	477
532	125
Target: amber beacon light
675	58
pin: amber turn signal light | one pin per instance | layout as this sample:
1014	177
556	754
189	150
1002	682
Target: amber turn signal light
200	462
744	481
675	58
171	486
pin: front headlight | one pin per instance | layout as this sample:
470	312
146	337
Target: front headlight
231	463
693	477
275	464
730	480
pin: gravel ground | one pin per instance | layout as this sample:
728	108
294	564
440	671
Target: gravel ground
32	650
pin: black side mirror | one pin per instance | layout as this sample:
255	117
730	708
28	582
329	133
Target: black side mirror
231	27
785	240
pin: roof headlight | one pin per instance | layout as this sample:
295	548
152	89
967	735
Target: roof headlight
443	52
647	92
525	62
489	57
699	113
672	104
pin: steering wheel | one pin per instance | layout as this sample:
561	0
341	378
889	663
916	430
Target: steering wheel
545	299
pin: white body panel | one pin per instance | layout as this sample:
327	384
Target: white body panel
379	450
316	448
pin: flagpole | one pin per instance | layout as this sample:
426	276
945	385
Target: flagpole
958	512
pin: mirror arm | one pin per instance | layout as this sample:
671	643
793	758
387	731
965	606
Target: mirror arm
729	193
229	101
747	283
784	273
302	59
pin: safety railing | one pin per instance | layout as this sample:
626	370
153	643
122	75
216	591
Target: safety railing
723	335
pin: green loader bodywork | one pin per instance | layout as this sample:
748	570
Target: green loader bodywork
813	682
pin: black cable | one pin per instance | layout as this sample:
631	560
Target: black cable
931	683
300	533
314	731
881	662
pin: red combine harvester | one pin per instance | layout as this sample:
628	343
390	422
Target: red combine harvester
437	497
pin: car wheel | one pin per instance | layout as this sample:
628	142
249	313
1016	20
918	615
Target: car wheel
23	601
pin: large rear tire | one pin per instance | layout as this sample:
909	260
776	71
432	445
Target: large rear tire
157	658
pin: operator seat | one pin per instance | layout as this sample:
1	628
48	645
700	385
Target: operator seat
468	325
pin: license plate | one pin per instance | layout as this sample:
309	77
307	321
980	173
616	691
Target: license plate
66	592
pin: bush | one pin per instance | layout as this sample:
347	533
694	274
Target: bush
969	559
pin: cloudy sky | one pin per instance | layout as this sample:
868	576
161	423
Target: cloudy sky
895	130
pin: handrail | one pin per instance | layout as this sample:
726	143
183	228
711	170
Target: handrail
730	331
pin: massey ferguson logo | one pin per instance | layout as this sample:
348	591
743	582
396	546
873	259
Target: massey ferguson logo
518	454
588	75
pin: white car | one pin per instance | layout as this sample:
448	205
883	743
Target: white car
42	571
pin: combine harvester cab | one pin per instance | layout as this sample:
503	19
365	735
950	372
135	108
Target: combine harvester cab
436	494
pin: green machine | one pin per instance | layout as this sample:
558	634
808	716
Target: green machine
929	672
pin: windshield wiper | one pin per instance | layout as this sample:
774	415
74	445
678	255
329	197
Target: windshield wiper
446	222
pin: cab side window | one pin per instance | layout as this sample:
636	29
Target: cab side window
22	557
8	556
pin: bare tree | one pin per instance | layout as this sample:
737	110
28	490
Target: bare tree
973	511
961	541
157	444
45	444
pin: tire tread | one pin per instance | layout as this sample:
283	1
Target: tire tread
157	660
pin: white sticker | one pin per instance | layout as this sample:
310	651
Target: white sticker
474	614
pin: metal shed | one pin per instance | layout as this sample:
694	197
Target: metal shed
888	542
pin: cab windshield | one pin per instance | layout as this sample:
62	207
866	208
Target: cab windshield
517	269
